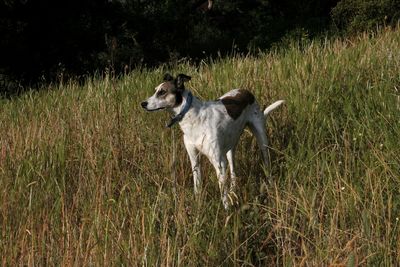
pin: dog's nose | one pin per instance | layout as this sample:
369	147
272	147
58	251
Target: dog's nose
144	104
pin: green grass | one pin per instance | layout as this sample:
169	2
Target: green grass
88	178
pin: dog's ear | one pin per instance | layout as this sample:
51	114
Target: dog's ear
180	81
168	77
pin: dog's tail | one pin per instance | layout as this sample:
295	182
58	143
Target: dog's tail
272	107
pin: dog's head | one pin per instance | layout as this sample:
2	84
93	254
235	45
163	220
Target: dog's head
168	93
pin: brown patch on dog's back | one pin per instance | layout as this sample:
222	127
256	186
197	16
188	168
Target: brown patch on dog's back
235	104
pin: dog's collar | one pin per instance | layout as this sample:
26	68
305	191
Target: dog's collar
183	112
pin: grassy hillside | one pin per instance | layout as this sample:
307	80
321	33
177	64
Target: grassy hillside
88	178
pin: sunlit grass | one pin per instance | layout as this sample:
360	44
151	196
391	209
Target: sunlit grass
88	178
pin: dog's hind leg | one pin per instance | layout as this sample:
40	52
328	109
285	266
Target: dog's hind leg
257	127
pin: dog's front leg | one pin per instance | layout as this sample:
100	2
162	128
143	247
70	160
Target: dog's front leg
220	164
231	157
194	157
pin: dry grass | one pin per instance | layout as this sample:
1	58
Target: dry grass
88	178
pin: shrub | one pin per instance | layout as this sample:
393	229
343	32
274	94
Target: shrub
351	16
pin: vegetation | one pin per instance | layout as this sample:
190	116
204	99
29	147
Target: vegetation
46	41
353	16
88	178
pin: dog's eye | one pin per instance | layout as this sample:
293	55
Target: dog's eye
161	92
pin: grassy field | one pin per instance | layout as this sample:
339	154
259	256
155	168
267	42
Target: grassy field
87	178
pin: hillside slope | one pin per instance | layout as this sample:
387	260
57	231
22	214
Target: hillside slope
88	178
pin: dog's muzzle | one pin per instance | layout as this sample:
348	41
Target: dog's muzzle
145	106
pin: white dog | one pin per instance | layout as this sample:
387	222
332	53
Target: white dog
212	128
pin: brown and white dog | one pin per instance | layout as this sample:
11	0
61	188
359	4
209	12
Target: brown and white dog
212	128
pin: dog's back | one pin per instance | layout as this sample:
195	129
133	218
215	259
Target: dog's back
220	123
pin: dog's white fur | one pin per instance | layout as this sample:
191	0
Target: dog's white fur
209	130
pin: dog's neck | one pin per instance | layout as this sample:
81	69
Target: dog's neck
179	112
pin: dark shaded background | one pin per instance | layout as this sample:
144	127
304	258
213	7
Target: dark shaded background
46	40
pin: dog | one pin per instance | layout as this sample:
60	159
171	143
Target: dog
212	128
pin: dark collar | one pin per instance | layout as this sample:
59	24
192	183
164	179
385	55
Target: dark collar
184	110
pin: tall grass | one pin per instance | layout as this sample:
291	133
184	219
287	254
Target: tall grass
88	178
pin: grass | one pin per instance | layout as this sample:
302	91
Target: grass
88	178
